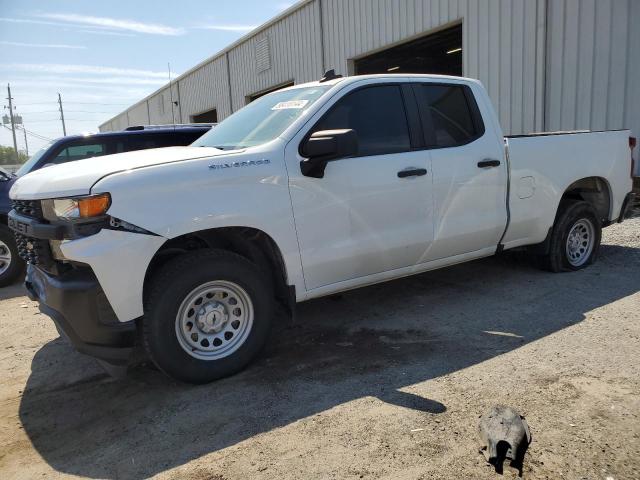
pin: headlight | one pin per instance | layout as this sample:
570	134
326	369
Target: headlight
81	208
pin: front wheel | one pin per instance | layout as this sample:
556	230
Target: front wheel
208	314
575	238
11	265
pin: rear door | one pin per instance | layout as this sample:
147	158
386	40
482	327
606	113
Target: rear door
469	171
364	217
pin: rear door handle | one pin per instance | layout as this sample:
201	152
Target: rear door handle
488	162
412	172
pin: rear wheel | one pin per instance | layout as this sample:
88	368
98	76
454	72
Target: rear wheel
575	238
11	265
207	315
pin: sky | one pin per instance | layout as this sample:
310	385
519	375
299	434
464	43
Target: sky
103	56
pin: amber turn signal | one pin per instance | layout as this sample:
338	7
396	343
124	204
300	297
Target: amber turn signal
94	206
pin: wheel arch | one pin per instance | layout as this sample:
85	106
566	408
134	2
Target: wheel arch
251	243
594	190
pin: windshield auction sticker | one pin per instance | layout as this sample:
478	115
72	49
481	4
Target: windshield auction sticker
291	104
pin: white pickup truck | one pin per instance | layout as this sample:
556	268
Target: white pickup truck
308	191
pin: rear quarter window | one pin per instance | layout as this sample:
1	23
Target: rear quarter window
450	115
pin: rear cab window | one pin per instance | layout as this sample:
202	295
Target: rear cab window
450	115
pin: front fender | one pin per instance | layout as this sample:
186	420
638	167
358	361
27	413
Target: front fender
185	197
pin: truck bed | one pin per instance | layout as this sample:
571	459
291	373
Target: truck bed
544	165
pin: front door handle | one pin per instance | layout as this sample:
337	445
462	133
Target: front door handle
488	162
412	172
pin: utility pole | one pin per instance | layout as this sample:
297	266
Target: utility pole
13	125
26	145
64	128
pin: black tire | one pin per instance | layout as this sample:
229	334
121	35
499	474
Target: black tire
173	283
569	214
16	266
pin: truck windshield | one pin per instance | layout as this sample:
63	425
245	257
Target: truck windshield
262	120
29	164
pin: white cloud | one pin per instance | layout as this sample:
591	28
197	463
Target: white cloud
79	28
35	22
41	45
229	28
107	32
113	23
56	68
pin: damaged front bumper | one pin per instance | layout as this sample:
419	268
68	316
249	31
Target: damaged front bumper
82	313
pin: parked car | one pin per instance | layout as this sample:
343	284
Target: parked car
78	147
306	192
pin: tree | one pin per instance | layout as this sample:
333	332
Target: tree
8	156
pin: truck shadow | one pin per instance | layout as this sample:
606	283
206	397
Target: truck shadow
377	341
12	291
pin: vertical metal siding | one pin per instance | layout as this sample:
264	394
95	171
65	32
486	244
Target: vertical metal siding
632	97
205	89
138	114
294	53
568	68
499	44
163	97
590	47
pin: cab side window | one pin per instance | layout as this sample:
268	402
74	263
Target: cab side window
79	152
450	115
377	115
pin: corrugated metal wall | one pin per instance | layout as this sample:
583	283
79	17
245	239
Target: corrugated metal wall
593	65
565	68
138	114
160	106
498	35
205	89
294	50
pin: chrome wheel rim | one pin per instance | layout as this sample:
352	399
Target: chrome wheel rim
580	242
214	320
5	257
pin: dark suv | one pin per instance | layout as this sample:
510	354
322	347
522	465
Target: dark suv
78	147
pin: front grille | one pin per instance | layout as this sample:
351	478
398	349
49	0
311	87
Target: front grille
28	208
34	251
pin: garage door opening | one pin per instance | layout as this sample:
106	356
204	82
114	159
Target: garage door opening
438	53
210	116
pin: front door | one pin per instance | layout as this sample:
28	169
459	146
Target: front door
363	218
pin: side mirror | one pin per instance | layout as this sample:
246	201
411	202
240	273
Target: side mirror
324	146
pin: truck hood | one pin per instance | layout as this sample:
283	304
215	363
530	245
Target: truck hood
77	178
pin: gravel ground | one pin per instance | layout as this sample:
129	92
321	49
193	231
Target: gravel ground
382	382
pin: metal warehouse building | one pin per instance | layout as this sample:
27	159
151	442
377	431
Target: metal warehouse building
547	64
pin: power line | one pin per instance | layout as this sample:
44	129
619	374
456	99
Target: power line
51	120
75	103
33	134
68	111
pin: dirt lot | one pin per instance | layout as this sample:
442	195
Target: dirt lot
383	382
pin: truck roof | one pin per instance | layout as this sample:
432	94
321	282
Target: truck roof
146	130
386	76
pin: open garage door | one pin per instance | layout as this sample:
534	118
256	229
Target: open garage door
438	53
210	116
